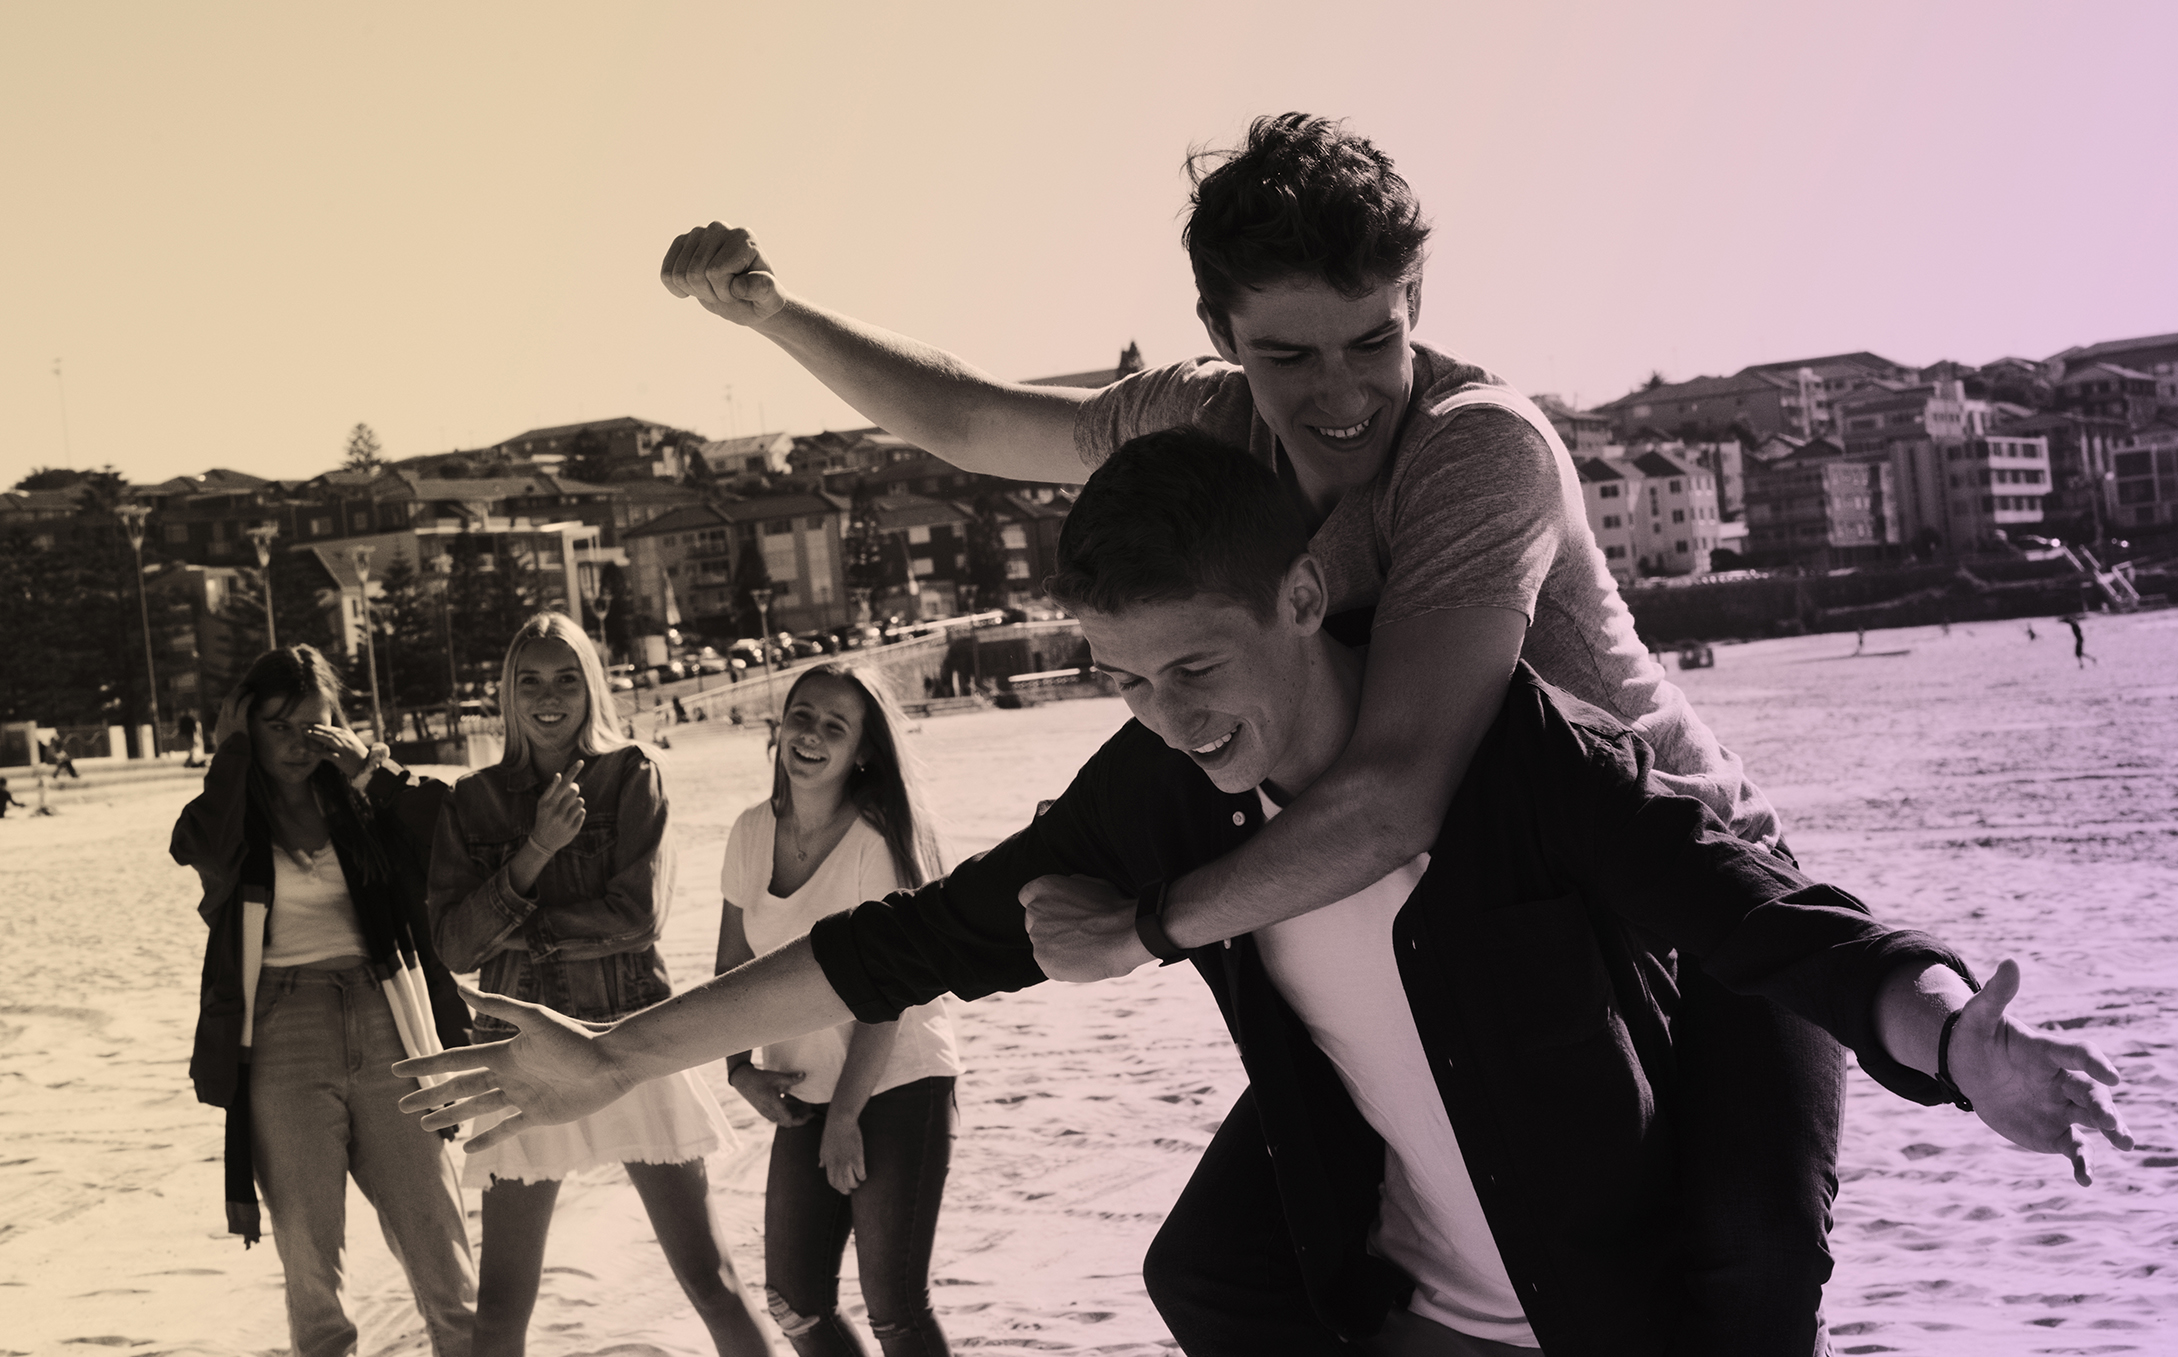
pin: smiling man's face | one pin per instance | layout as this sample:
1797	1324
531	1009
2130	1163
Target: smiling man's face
1212	679
1330	374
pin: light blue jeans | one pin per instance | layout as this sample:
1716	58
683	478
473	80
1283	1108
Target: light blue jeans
322	1099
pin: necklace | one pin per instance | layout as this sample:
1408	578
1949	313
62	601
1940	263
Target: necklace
801	846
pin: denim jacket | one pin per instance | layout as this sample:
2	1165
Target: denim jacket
583	940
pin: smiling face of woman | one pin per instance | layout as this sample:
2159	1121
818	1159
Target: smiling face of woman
821	735
550	698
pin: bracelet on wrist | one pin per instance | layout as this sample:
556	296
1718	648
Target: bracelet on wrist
1149	926
1943	1064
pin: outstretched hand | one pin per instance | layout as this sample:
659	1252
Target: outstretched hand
719	266
551	1071
1081	928
2034	1091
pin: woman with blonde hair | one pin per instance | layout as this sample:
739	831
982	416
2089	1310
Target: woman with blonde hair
865	1112
552	873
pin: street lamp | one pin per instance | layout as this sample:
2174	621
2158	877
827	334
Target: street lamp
362	558
261	538
443	566
762	599
132	518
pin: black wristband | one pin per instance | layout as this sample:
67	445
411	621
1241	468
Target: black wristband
1149	925
1943	1064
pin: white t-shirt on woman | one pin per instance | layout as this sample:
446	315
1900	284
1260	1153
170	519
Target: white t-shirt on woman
860	868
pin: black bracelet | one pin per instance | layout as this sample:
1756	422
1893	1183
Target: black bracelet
1149	926
1943	1064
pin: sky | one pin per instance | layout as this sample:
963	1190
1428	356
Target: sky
240	229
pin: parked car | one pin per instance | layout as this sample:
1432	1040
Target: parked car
713	663
620	678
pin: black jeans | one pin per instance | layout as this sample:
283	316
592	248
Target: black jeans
907	1146
1760	1095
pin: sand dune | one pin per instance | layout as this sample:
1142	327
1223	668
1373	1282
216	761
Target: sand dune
1975	784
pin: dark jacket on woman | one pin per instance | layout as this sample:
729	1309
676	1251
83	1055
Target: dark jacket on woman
1541	956
229	843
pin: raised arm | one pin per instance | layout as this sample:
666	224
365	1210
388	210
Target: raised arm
920	393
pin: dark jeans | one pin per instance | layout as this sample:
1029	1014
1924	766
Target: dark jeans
907	1145
1760	1098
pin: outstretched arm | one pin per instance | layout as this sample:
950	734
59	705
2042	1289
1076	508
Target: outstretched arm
556	1069
922	394
2033	1091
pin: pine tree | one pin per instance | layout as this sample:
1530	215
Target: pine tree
364	451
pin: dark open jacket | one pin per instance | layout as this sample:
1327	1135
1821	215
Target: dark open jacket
1540	956
229	844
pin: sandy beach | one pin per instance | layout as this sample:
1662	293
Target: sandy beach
1976	784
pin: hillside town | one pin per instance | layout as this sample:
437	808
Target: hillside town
673	547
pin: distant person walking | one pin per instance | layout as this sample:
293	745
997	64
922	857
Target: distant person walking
2079	643
57	754
551	874
7	798
1860	638
2030	632
185	726
865	1111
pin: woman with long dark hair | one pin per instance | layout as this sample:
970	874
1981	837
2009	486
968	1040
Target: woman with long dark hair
865	1113
552	873
318	976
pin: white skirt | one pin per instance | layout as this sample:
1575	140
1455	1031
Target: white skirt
665	1121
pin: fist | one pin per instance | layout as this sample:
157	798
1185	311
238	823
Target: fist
560	811
720	267
1081	928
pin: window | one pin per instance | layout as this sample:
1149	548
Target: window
359	521
1610	520
1014	537
1678	515
1017	569
177	532
815	523
775	527
1606	492
919	536
1615	553
1680	546
321	526
1673	487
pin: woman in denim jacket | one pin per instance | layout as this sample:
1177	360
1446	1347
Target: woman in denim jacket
311	850
552	875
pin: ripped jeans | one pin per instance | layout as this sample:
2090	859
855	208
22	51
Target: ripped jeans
907	1145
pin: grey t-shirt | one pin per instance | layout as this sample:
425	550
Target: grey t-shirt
1479	507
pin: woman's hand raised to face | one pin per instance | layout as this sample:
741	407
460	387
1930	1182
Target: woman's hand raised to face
560	811
342	747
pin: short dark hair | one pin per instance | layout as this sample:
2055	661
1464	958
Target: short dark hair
1300	196
1174	514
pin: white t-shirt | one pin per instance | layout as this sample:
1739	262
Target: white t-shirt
1337	969
312	916
859	869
